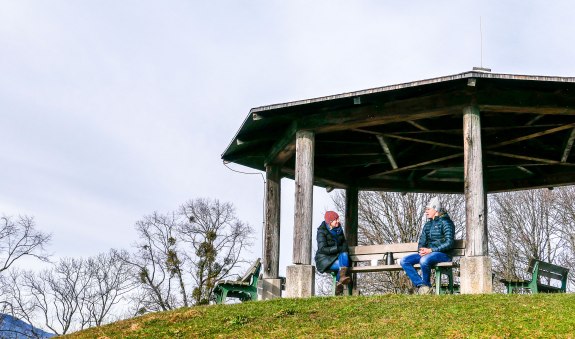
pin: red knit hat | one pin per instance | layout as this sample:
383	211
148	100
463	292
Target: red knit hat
330	216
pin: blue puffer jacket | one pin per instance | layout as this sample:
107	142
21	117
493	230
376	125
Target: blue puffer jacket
438	234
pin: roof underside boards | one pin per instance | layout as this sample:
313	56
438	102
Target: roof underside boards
409	137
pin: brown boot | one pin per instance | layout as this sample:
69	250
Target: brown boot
343	277
338	289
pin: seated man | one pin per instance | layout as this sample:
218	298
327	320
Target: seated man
435	240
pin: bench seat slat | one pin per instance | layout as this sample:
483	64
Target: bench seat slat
458	248
373	249
391	268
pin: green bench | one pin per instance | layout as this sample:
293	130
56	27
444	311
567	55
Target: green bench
372	258
245	289
545	278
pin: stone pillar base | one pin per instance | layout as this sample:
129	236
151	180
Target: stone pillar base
475	275
300	281
269	288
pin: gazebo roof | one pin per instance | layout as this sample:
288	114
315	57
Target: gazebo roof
409	137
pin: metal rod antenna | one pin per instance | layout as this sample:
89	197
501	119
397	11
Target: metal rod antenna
481	40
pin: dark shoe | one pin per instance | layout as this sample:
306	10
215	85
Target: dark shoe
338	289
343	277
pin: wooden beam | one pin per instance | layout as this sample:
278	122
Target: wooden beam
532	121
396	136
331	155
319	179
533	135
538	181
392	111
560	101
541	160
422	186
568	146
304	166
418	125
284	148
419	186
528	109
387	151
371	119
435	143
416	165
271	250
353	162
460	131
525	170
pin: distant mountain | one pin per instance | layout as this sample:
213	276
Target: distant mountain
14	328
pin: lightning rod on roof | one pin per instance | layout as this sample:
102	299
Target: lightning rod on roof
481	40
481	69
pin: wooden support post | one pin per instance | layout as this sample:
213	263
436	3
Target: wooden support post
475	196
476	265
303	197
351	215
271	248
351	221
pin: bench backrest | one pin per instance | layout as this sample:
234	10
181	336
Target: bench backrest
253	271
377	252
540	268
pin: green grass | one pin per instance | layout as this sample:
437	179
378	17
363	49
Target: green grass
388	316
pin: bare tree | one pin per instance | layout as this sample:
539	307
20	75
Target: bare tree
217	239
387	217
524	225
59	295
564	225
16	300
110	280
157	262
19	238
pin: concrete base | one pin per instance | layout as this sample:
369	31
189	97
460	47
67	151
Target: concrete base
475	275
269	289
300	281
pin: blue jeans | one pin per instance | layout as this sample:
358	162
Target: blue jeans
341	261
426	263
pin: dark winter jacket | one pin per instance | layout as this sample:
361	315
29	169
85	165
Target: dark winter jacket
438	234
328	248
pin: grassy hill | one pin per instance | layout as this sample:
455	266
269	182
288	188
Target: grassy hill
389	316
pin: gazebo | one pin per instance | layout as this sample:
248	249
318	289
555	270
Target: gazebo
474	133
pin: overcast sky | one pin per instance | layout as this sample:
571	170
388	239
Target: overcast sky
111	110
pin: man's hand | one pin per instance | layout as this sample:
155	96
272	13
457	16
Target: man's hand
424	251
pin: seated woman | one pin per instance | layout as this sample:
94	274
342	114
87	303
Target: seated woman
332	250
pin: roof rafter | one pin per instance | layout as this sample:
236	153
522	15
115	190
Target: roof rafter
541	160
384	144
432	161
284	148
533	135
568	146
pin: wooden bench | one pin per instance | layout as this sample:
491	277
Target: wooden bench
538	270
245	289
374	256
